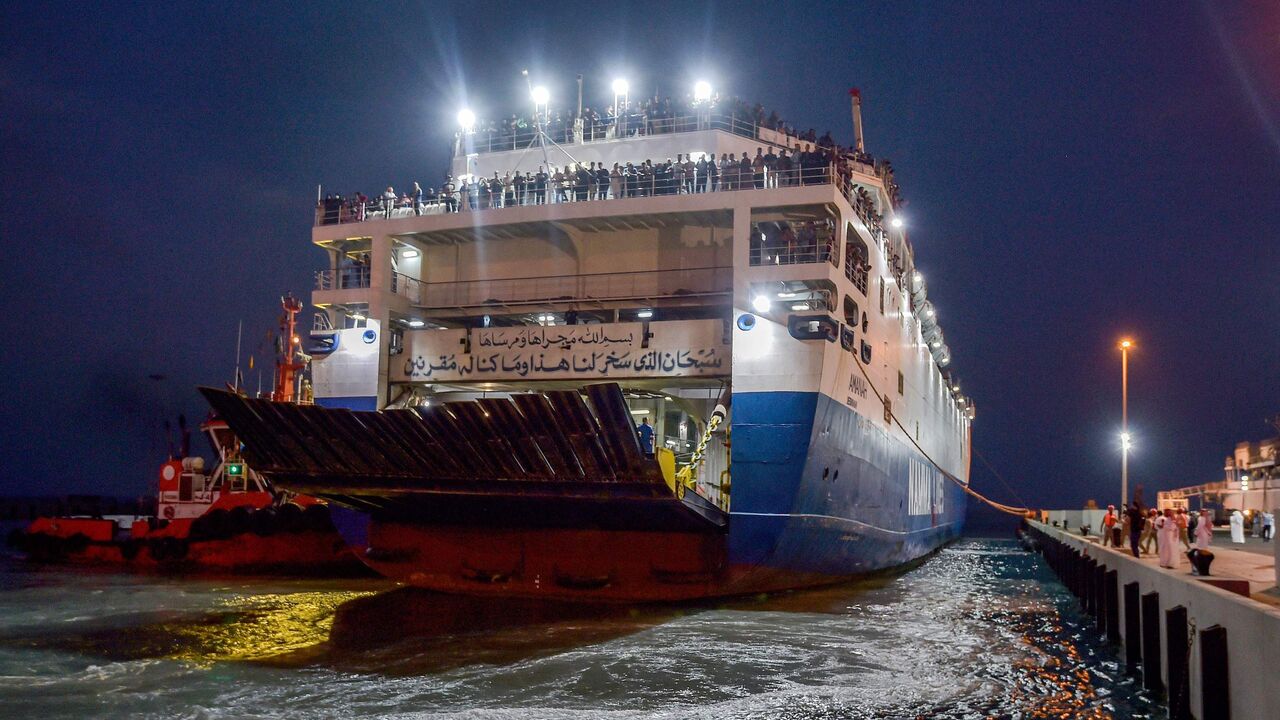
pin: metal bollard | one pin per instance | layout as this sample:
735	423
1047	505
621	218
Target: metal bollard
1132	628
1175	624
1151	679
1215	686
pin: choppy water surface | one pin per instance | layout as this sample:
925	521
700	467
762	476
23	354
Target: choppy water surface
979	630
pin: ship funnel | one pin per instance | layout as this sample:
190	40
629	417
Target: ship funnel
855	99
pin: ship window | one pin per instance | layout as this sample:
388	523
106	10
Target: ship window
882	295
900	382
850	312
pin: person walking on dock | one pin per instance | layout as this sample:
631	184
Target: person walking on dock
1237	527
1149	532
1204	531
1108	525
1181	519
1133	520
1167	538
1268	525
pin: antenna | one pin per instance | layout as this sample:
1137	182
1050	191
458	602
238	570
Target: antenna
239	330
855	101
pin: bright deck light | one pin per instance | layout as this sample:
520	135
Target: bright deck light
416	323
761	303
621	86
702	91
645	314
896	222
466	119
1126	441
541	95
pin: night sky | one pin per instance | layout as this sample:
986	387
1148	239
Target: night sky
1074	172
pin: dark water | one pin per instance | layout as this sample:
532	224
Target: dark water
979	630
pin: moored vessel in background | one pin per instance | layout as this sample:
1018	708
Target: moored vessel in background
481	358
226	520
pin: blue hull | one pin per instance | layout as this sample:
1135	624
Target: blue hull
821	491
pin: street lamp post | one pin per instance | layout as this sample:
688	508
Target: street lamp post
1124	421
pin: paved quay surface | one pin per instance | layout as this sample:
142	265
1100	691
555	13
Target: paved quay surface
1251	561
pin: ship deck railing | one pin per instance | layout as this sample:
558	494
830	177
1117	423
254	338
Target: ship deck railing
335	213
603	287
626	127
347	278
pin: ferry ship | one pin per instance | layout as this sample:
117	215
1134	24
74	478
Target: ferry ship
490	365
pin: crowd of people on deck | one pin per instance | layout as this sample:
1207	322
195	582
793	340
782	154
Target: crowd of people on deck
792	158
593	181
788	242
1171	530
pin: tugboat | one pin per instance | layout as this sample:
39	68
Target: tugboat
227	520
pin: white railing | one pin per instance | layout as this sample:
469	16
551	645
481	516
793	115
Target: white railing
561	288
343	278
792	243
633	181
609	128
411	288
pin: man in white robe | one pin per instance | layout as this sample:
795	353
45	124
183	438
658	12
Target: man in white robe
1166	538
1204	531
1237	527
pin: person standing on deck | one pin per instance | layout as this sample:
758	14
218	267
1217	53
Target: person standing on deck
1204	531
388	202
1167	537
645	434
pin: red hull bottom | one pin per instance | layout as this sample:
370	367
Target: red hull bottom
308	553
569	564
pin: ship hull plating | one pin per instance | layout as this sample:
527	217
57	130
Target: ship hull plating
821	494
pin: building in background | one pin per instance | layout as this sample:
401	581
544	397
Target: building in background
1250	483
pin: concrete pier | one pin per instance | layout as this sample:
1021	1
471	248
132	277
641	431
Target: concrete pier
1210	651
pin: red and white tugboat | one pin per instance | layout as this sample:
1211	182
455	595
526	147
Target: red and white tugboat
225	520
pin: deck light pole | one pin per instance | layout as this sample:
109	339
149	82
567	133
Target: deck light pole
702	99
1124	421
620	89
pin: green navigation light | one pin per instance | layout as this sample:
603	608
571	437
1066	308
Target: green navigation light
235	469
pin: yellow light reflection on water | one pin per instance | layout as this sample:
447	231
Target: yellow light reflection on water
258	627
